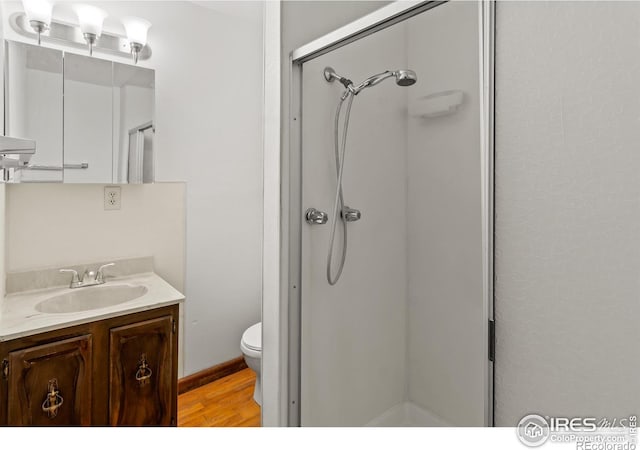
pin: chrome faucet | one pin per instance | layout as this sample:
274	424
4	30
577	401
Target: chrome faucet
89	277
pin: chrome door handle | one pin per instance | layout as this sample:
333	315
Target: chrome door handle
316	217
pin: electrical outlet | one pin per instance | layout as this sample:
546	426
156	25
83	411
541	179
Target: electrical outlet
112	198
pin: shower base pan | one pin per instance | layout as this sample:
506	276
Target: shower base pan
407	414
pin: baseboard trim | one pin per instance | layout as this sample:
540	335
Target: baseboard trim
211	374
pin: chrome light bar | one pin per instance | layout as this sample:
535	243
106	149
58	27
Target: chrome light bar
65	34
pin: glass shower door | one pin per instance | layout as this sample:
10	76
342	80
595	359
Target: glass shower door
401	338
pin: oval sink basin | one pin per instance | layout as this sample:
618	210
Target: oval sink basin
86	299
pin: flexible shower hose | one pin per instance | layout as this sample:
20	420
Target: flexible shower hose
338	205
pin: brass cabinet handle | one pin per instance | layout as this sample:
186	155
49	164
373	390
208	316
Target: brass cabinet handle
144	371
54	400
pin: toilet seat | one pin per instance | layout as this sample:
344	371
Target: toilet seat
256	354
252	338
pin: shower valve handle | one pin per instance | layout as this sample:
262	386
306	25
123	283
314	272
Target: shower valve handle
316	217
350	214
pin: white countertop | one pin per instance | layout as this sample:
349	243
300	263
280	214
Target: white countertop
19	318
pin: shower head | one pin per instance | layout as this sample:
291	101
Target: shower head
404	77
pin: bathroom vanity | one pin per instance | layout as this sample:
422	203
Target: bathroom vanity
113	365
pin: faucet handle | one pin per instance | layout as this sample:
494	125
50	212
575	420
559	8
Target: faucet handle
75	279
100	274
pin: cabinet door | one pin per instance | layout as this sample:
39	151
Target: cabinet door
141	373
51	384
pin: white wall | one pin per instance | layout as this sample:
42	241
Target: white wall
447	344
209	134
208	63
567	209
60	224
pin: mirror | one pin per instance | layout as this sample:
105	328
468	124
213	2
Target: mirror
88	120
133	100
112	144
33	107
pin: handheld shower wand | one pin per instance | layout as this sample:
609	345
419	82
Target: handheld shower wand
404	77
346	214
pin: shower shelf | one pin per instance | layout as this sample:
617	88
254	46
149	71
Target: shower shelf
438	104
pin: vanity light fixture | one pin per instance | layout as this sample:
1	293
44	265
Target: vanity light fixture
38	14
137	30
37	18
91	21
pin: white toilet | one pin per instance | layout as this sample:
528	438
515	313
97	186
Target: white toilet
251	346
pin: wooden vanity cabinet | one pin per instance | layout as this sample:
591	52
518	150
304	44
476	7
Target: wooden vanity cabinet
118	371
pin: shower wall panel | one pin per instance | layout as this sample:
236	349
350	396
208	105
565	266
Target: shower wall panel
354	333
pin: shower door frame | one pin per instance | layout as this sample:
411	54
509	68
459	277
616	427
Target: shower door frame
291	187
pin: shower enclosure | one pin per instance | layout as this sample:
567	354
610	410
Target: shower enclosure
403	335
